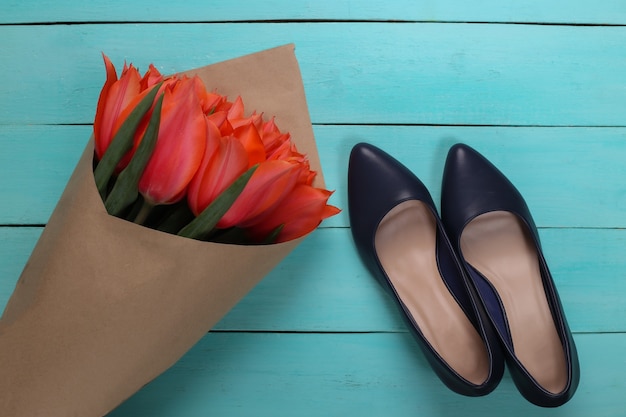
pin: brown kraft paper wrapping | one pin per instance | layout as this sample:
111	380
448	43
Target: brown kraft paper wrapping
103	306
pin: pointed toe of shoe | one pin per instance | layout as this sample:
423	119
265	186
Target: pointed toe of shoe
376	183
495	237
472	185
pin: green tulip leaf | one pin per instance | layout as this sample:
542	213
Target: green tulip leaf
122	142
125	190
205	222
273	236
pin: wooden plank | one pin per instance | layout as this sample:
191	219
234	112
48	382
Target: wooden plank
568	175
353	375
323	286
16	244
380	73
35	164
552	11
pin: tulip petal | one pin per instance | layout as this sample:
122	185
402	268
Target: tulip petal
151	77
218	118
104	95
271	182
236	109
212	102
122	142
206	221
298	214
179	149
119	95
251	141
255	119
217	171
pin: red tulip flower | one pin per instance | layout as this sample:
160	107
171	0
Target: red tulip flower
118	99
224	160
298	214
115	97
249	137
151	77
180	145
279	193
272	137
269	185
203	146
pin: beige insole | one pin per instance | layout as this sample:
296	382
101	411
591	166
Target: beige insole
405	244
500	248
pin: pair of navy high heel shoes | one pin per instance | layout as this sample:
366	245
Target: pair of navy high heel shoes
472	285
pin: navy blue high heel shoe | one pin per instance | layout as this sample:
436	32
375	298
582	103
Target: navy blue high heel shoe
493	233
401	239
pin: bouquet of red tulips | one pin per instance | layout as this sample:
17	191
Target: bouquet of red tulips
222	175
179	205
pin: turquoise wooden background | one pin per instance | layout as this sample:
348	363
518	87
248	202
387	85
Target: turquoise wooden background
537	86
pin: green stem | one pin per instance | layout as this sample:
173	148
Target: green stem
144	211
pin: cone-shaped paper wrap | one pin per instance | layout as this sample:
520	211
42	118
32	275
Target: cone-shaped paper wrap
103	306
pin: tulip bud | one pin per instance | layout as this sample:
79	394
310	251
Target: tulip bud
179	148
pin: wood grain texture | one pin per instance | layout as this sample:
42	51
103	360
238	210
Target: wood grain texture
352	375
377	73
569	176
549	11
